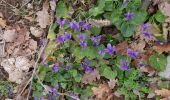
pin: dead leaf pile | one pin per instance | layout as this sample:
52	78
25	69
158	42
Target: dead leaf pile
16	68
102	92
90	77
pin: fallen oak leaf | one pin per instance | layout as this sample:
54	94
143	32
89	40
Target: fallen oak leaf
163	92
90	77
43	16
162	48
122	47
102	92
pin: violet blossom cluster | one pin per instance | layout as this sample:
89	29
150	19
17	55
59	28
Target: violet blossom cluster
124	63
85	65
62	38
110	50
145	32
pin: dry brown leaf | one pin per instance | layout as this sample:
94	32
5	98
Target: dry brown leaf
32	44
53	4
162	48
122	47
90	77
102	92
139	46
36	32
112	83
164	8
9	35
163	92
2	23
43	16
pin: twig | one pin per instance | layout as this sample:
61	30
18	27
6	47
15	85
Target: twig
9	4
35	66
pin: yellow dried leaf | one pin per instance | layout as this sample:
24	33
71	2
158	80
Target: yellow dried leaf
2	23
163	92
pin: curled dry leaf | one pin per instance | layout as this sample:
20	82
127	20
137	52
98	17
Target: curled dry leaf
163	92
112	83
102	92
162	48
9	35
36	32
2	23
90	77
122	47
43	16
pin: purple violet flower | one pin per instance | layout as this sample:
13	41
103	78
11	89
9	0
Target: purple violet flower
129	15
110	49
146	34
67	36
124	65
81	37
140	64
41	98
81	23
60	39
74	25
60	22
96	40
55	67
35	98
88	69
86	26
53	92
144	26
82	44
9	91
132	54
67	21
102	52
86	65
56	86
69	14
